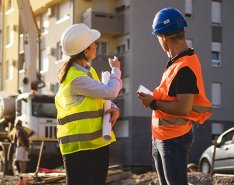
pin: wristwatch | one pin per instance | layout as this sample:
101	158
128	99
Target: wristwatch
153	105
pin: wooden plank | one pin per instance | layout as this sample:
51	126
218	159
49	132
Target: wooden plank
119	176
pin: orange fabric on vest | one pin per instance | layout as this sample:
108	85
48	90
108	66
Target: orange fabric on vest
160	93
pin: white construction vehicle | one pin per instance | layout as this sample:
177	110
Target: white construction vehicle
35	110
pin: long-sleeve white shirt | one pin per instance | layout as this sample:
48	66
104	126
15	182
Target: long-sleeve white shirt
86	86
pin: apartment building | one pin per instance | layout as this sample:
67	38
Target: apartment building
126	32
9	46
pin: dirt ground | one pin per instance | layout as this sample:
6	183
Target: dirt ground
149	178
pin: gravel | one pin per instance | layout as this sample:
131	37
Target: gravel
195	178
150	178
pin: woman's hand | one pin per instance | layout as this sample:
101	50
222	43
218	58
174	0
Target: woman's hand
114	62
145	99
114	115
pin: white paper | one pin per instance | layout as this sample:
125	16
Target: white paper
144	90
106	125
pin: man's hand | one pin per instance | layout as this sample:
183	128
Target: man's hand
145	99
114	115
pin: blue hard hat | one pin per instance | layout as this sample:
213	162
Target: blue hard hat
167	21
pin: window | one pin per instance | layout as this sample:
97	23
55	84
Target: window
227	138
216	94
10	35
10	69
44	109
188	8
216	54
121	49
128	44
44	23
58	51
21	44
44	66
24	107
101	48
216	13
50	12
63	10
189	43
9	6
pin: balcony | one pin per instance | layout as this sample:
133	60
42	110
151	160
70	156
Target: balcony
104	22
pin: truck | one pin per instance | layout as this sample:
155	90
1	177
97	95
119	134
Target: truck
37	111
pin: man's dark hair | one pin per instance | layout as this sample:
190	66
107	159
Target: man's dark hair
178	34
18	122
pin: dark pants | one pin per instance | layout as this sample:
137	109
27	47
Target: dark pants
171	159
87	167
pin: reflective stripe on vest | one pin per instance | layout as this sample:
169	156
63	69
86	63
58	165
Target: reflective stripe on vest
201	109
80	115
181	121
80	137
159	122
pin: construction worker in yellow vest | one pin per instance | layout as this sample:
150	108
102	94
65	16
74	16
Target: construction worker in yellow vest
80	102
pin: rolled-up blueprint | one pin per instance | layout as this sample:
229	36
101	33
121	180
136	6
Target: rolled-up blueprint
106	125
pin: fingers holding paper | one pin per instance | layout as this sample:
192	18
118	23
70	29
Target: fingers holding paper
114	62
145	99
114	115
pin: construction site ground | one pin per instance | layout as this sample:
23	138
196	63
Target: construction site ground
116	176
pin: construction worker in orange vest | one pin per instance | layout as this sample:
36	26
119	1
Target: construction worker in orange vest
178	102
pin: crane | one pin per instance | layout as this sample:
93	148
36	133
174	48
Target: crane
31	34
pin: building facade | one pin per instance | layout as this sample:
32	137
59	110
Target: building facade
126	32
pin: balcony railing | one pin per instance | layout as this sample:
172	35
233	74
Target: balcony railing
104	22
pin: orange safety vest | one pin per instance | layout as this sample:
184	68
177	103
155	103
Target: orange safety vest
167	126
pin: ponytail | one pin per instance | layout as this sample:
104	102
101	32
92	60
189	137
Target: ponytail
62	72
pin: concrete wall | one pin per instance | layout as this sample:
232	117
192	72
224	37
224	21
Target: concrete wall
225	73
148	59
134	151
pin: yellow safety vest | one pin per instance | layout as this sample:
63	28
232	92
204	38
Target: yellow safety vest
79	123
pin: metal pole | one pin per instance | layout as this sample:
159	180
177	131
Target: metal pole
213	157
39	158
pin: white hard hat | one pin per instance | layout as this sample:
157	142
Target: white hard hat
77	38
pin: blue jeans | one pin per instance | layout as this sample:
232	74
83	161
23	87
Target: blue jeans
171	159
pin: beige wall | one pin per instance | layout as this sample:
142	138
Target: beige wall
39	6
10	52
